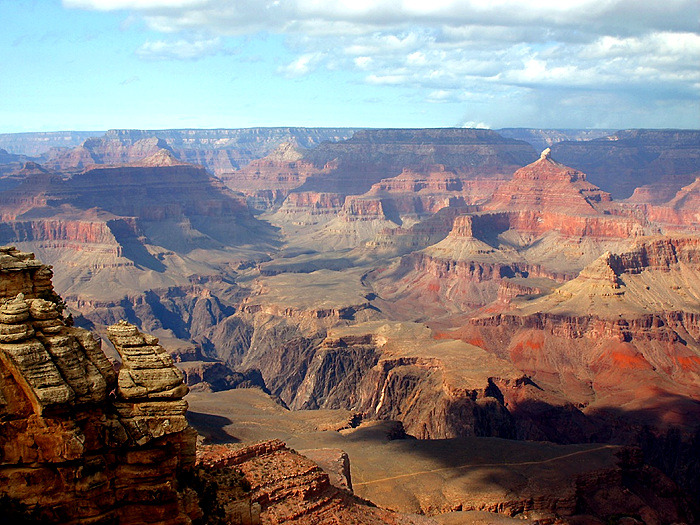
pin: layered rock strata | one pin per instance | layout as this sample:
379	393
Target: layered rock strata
219	150
662	160
79	443
286	487
635	311
547	222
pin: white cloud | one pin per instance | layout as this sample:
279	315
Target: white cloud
302	65
363	62
455	50
179	49
474	124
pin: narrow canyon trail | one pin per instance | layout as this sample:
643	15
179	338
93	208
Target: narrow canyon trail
480	465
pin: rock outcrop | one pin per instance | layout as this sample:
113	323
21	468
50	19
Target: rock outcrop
268	181
21	273
286	487
545	223
635	311
79	443
139	238
682	211
354	165
82	443
546	185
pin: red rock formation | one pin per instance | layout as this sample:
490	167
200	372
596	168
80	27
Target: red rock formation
683	210
286	487
546	185
418	193
354	165
622	312
547	222
266	182
71	449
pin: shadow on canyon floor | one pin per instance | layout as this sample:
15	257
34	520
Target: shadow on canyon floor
211	427
392	472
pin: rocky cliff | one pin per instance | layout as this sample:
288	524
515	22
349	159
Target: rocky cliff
372	155
288	488
80	442
682	211
546	138
620	342
547	222
219	150
665	159
268	181
132	239
551	186
83	443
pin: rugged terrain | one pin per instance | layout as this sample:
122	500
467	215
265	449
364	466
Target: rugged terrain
449	280
83	443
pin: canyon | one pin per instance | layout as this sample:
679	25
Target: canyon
424	293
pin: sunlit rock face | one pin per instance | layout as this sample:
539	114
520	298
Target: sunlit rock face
79	442
219	150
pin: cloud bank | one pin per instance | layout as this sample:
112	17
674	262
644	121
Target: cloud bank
627	52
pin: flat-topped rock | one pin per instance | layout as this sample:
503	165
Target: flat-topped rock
147	370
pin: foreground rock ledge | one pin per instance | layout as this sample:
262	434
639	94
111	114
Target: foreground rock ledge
75	445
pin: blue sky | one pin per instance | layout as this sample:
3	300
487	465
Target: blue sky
153	64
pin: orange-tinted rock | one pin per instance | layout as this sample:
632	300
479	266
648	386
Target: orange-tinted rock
268	181
683	210
286	487
622	312
548	186
68	449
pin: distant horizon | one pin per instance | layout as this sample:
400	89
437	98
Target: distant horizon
342	127
217	64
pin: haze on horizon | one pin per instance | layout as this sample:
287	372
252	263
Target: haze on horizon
155	64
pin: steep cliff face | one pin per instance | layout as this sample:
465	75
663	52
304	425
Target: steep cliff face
548	185
625	160
219	150
80	442
547	222
437	389
268	181
413	193
635	311
288	488
682	211
21	273
372	155
139	241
